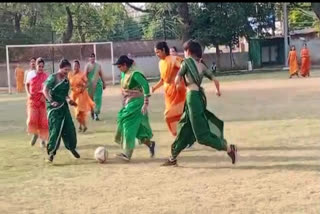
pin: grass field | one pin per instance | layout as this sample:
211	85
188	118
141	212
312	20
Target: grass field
273	120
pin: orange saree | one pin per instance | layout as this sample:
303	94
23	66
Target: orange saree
174	97
79	94
19	79
293	63
305	62
37	121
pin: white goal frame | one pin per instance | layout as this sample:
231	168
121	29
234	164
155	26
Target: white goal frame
55	45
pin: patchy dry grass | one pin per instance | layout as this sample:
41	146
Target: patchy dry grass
274	121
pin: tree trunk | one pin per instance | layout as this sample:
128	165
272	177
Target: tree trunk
218	58
67	35
82	38
231	63
273	24
183	11
17	20
316	8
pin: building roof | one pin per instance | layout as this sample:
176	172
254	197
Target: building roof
304	31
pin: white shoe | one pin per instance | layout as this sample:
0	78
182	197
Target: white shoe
123	157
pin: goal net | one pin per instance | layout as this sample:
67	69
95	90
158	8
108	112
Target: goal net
52	54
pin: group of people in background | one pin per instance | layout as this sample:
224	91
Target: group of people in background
186	114
305	62
48	115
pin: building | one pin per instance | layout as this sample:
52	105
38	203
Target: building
266	51
305	34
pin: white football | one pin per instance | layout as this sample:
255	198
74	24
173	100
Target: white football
101	154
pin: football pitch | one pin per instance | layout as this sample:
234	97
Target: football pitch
273	120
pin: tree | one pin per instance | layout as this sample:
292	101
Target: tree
67	35
223	23
170	13
301	16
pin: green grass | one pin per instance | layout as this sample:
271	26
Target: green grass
274	121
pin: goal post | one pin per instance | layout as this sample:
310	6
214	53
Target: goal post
54	52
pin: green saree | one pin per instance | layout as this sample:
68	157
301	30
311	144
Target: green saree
59	118
131	122
95	93
197	123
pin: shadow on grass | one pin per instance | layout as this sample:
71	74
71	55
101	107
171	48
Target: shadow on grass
250	158
109	162
284	148
94	146
293	167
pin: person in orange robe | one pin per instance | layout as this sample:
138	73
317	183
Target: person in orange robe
175	95
305	61
293	62
37	121
19	72
78	82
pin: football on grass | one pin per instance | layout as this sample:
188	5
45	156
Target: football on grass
101	154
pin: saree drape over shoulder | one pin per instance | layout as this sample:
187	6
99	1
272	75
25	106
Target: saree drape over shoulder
79	94
197	123
37	121
293	63
132	124
305	62
174	96
97	91
59	117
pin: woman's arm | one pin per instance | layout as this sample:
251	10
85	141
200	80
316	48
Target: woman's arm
46	93
71	102
157	85
209	74
217	84
180	74
146	90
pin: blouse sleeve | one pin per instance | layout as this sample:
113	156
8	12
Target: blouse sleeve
50	82
183	69
141	80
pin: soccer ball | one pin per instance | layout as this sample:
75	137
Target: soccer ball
101	154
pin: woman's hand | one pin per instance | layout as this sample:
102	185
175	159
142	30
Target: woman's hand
73	103
153	89
54	104
144	108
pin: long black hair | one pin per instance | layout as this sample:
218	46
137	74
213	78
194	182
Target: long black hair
124	59
39	60
194	47
164	47
64	63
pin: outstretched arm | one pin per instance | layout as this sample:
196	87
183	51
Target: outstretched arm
157	85
209	74
217	84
